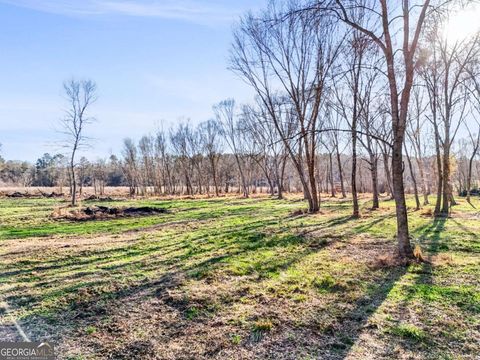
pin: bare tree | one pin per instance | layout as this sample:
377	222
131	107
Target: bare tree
100	176
416	134
289	59
130	167
413	178
335	121
445	71
225	115
368	124
163	159
353	101
475	146
210	131
147	173
389	26
268	148
83	169
474	87
179	139
80	94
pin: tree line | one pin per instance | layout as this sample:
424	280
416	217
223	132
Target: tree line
196	160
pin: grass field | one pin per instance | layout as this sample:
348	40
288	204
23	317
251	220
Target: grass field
232	278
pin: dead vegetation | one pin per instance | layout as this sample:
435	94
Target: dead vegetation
99	198
98	212
39	194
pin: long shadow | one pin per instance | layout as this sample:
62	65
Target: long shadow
116	225
349	326
251	240
345	331
363	228
105	259
243	245
357	319
431	234
236	241
92	256
436	240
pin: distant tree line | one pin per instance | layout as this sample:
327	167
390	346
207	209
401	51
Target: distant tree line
191	160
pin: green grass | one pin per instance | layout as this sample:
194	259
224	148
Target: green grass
246	267
408	331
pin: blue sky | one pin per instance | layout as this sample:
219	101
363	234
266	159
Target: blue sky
153	60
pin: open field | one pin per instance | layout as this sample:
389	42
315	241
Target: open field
240	279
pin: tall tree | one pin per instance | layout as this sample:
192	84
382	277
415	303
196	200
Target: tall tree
445	70
417	135
388	26
290	59
80	94
130	167
211	144
225	115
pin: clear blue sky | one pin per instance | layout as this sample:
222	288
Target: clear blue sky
153	60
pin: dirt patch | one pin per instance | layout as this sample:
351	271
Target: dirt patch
98	212
385	261
103	198
18	194
428	212
98	198
298	213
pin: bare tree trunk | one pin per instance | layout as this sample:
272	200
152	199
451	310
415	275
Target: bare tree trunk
333	192
74	180
470	168
356	209
446	189
388	173
242	177
340	172
414	181
214	175
399	100
374	174
398	192
313	201
438	201
282	177
421	169
80	95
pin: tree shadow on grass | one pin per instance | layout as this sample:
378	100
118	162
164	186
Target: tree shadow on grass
367	305
345	323
432	234
240	241
428	293
236	243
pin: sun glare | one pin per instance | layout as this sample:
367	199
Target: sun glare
463	24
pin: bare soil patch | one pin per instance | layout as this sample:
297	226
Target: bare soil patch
98	212
39	194
100	198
